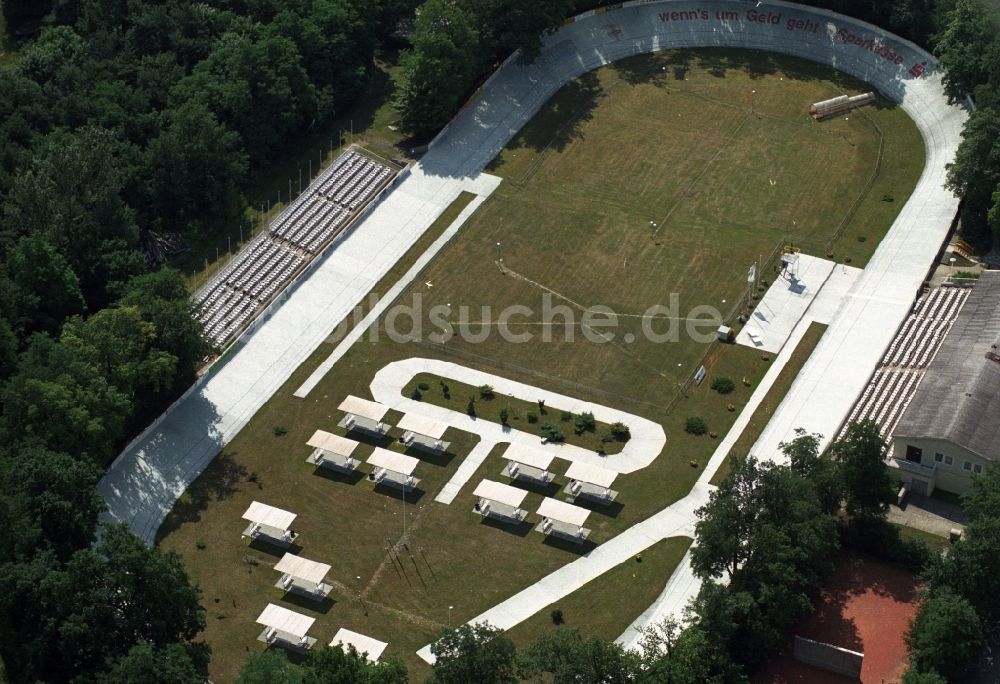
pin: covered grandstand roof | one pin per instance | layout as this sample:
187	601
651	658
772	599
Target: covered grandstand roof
959	397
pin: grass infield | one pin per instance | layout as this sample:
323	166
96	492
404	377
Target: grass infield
667	139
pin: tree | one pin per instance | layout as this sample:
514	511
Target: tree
725	522
961	48
474	653
172	664
569	658
60	399
347	666
72	197
868	487
255	85
59	621
695	425
197	166
982	501
53	497
439	70
584	422
805	461
122	346
975	174
723	385
162	299
48	290
672	656
765	530
269	667
914	677
509	25
944	635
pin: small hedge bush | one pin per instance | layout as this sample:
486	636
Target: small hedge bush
695	426
723	385
552	433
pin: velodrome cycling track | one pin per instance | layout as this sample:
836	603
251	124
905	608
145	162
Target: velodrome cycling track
146	479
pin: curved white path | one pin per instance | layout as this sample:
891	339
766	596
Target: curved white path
646	443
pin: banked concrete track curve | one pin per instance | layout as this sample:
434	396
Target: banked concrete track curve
145	480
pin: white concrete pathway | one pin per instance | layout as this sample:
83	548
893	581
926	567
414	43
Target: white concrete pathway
646	443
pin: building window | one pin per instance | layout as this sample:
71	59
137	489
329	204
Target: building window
978	469
913	453
966	466
938	457
948	460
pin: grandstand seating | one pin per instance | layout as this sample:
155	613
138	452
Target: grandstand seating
252	278
892	386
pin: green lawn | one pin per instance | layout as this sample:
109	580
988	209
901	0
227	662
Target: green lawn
762	414
933	541
624	146
606	606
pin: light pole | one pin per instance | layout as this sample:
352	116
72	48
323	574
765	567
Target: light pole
752	93
449	616
499	254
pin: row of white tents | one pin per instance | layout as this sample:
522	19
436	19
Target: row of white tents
284	627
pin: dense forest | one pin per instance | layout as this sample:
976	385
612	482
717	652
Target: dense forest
129	124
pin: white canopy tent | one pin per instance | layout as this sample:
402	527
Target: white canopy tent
286	627
497	498
414	422
390	460
501	493
269	521
332	450
269	516
331	443
372	648
393	469
590	481
528	455
423	432
303	576
563	520
596	475
528	462
563	512
302	568
364	414
372	410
